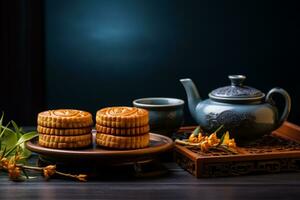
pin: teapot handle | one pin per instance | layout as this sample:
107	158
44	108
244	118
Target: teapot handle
287	99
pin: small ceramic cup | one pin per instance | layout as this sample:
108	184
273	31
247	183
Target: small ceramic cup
165	114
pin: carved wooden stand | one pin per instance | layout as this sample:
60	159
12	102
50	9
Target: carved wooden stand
278	152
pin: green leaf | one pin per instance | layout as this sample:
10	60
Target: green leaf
196	131
222	139
8	139
17	129
1	121
26	137
25	153
5	128
15	125
21	130
25	173
22	139
3	153
225	138
218	129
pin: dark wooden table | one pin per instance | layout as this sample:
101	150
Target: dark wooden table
177	184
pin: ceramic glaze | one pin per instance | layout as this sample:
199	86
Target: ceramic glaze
165	114
243	110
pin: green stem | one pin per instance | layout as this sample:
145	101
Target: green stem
41	168
5	128
219	128
16	145
11	150
65	174
2	154
223	148
30	167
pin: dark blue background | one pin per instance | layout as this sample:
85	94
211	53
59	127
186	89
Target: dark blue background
108	52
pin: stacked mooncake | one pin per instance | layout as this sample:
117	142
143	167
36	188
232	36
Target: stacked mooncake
65	128
122	128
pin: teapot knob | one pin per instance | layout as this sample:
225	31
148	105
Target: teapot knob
237	80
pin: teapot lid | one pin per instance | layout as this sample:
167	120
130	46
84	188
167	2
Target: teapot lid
236	91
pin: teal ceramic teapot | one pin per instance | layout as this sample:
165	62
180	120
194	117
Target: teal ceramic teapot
244	111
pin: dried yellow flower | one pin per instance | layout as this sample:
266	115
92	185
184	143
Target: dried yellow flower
213	140
213	137
49	170
231	143
204	146
17	157
81	177
14	173
4	163
197	138
193	138
200	137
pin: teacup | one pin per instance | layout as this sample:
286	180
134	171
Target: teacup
165	114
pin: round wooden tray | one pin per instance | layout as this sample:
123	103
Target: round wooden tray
94	154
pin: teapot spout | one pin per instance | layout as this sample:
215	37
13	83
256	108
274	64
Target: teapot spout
192	95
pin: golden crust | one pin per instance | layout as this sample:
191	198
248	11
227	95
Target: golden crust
119	142
65	118
122	117
63	145
123	131
65	139
64	132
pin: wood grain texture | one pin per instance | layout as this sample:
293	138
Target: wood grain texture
178	184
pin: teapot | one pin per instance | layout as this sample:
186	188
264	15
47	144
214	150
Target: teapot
242	110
